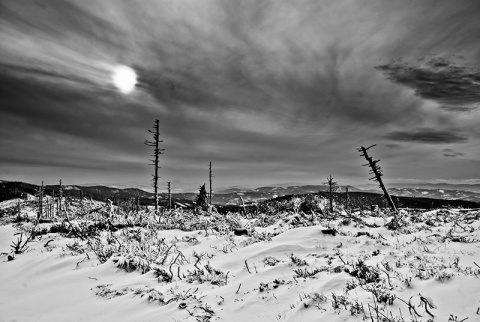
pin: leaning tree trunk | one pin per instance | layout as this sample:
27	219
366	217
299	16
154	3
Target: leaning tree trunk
377	171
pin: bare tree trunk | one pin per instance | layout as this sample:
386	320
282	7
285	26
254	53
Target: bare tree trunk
60	192
40	201
210	177
331	184
243	205
19	210
156	152
346	197
377	171
169	197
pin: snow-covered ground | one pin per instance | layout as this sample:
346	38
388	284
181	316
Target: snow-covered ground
300	268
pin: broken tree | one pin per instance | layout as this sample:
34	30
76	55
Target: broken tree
377	171
210	178
156	153
39	193
332	186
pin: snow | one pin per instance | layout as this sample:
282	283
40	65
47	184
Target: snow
434	255
10	203
70	188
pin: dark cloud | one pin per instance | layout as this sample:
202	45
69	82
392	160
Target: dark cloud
455	87
452	153
59	19
67	110
428	136
392	146
273	89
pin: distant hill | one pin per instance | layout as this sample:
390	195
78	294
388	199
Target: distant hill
439	186
443	194
406	197
15	189
430	191
357	199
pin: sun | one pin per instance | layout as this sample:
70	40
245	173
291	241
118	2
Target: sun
124	78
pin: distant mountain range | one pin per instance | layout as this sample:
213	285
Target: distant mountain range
234	195
444	191
440	186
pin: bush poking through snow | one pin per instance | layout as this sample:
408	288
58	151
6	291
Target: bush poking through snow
19	246
382	293
270	261
297	261
379	266
364	273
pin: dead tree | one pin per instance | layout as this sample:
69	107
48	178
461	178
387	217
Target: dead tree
19	209
155	161
169	197
377	172
202	198
48	208
346	197
210	177
40	201
137	202
60	197
332	186
80	193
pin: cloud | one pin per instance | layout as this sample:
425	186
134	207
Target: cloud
392	145
454	87
427	136
452	153
255	87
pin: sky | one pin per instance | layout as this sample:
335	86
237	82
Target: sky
268	91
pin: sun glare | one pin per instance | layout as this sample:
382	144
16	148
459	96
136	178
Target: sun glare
124	78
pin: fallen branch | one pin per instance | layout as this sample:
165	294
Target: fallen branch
248	268
46	244
17	246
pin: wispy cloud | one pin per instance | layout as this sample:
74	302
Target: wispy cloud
392	145
274	89
452	153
